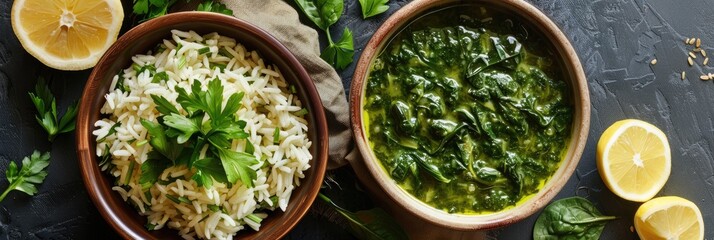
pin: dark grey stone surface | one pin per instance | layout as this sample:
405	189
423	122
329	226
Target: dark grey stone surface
615	40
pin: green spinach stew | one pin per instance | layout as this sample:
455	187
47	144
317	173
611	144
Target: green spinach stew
468	111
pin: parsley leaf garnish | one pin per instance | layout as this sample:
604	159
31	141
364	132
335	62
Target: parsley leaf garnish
340	54
47	111
212	6
373	7
324	13
149	9
32	172
179	138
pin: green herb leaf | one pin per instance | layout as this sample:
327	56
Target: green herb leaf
151	169
237	166
301	113
217	7
46	106
131	172
204	50
340	54
33	172
163	105
372	224
276	135
254	218
570	218
373	7
150	226
432	169
186	126
161	76
173	198
149	9
159	141
209	169
323	13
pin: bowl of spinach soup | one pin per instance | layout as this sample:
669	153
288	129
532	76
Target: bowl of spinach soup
469	114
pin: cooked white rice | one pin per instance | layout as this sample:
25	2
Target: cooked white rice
267	104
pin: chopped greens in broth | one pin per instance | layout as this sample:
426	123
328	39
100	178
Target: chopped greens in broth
469	115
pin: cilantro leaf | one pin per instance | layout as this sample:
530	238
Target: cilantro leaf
209	169
373	7
212	6
46	106
323	13
340	54
32	172
237	166
152	168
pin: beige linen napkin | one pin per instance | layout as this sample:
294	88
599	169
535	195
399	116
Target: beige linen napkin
282	21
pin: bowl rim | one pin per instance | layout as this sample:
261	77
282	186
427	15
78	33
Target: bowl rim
465	222
87	160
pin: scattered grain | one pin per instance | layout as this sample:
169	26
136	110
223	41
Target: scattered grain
690	61
704	53
697	50
704	77
691	54
654	61
706	60
699	42
686	41
684	75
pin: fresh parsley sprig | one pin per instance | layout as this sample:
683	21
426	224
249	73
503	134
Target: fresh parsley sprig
212	6
324	13
47	111
32	173
149	9
179	138
373	7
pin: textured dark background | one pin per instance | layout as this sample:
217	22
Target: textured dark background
615	40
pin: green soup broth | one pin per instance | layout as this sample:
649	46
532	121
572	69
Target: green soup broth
468	110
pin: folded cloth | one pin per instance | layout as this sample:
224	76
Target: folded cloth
282	21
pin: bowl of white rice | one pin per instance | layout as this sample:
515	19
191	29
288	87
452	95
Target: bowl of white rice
198	125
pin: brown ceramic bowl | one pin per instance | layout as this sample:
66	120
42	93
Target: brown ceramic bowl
402	201
124	218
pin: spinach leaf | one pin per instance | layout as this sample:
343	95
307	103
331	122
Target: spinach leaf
373	7
570	218
433	170
323	13
507	52
372	224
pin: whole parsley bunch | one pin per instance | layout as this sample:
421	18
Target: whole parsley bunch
179	137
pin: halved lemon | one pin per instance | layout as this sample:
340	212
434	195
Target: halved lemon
634	159
669	218
67	34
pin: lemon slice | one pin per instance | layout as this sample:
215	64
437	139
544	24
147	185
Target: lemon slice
669	218
67	34
634	159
